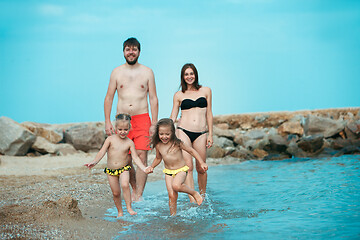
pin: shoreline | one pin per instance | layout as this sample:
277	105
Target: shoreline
35	188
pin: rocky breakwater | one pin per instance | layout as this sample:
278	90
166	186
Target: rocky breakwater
265	136
35	139
282	135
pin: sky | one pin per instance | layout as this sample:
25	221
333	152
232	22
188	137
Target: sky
56	57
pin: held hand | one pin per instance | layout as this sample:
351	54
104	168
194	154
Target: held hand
152	129
89	165
204	167
148	170
209	141
109	129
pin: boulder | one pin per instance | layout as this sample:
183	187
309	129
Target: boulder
259	153
311	144
42	145
222	142
295	151
84	137
15	140
291	128
276	144
229	133
321	125
215	152
63	149
243	153
44	131
276	156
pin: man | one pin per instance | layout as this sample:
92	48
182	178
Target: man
134	82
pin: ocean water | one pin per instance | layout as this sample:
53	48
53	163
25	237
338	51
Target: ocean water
288	199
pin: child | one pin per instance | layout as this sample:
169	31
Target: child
168	147
117	148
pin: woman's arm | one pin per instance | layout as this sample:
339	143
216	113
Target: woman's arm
175	109
209	119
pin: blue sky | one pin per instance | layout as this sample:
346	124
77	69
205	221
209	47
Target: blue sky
257	55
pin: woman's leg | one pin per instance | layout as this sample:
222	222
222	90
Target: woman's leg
200	146
172	195
116	191
125	186
188	160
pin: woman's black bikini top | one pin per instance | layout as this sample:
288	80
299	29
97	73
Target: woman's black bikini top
189	103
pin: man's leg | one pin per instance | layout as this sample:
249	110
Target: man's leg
141	177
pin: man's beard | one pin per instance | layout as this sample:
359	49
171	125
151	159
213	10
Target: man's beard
131	62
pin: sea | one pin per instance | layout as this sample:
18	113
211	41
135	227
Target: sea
298	198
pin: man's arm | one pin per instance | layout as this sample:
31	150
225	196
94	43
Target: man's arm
108	104
154	104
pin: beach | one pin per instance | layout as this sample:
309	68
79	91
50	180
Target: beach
56	197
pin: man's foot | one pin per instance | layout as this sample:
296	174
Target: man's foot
120	214
199	199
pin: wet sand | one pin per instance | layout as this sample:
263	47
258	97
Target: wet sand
55	197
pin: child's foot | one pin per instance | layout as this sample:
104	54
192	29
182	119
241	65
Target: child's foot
199	199
120	214
132	212
192	199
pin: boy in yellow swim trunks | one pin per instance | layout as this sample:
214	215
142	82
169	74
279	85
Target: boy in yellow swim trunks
118	166
169	148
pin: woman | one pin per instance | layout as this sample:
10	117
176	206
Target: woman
196	120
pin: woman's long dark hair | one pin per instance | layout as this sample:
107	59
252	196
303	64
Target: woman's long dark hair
165	122
196	82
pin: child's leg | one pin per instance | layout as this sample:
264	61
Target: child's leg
172	195
179	186
124	181
116	191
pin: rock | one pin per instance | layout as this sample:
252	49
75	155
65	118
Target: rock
84	137
348	150
295	151
311	144
63	149
215	152
44	131
276	144
259	153
223	126
255	134
291	128
325	126
276	156
15	140
352	129
229	133
242	153
43	146
222	142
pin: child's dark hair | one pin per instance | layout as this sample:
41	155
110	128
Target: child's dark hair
165	122
123	117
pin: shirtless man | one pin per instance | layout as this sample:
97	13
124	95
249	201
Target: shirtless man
134	82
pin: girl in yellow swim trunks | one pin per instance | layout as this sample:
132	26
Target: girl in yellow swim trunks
169	148
117	147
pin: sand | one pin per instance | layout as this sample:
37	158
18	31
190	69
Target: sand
56	197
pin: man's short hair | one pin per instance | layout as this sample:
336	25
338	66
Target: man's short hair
131	42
